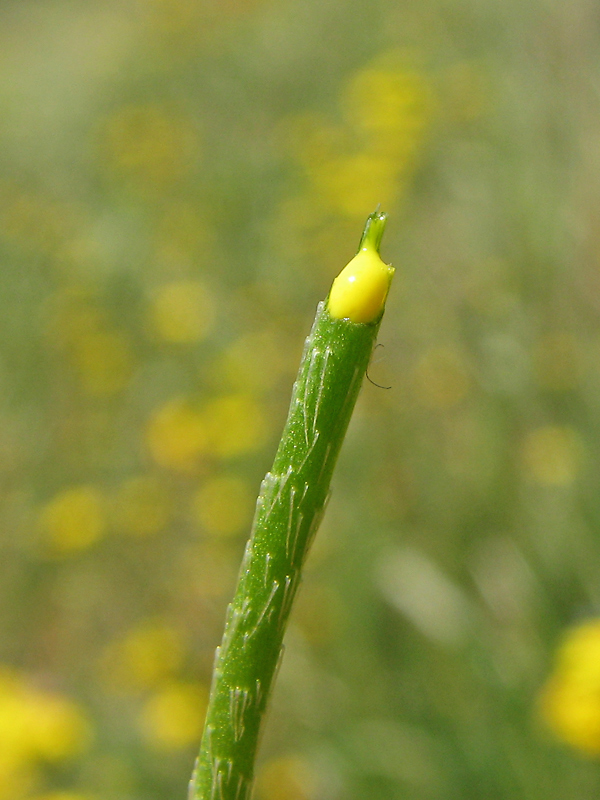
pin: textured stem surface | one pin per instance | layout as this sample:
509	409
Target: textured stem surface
289	508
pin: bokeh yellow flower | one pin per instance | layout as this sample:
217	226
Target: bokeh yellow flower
146	656
60	730
391	103
570	700
552	455
182	312
223	505
36	727
181	434
101	355
353	183
254	362
173	716
236	425
74	519
177	435
149	147
285	778
370	157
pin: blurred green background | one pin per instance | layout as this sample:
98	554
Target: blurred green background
181	181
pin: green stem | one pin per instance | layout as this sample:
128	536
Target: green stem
373	231
289	509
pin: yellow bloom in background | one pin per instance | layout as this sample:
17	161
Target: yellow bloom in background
178	435
149	146
15	782
236	424
36	726
371	156
223	505
141	506
57	728
173	717
182	312
440	378
145	657
392	104
253	362
74	519
352	183
552	455
285	778
101	356
570	700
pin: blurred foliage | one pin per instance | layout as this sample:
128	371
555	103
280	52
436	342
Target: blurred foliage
182	179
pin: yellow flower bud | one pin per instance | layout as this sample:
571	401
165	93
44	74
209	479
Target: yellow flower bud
360	290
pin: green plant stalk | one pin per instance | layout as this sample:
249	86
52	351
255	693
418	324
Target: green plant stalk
289	509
